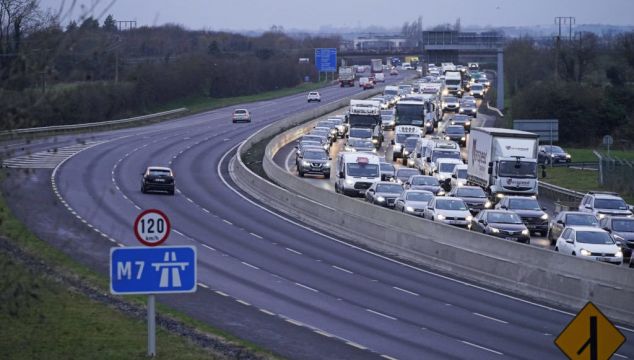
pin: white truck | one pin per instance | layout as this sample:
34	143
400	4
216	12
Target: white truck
346	76
376	66
453	82
366	114
503	161
447	67
356	172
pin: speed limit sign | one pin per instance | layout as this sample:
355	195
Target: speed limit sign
152	227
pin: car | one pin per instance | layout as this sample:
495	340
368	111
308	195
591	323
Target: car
393	72
324	132
475	198
387	171
360	145
455	133
359	133
529	210
444	169
325	143
461	119
313	96
590	243
305	144
548	154
413	202
477	90
450	103
379	77
569	218
313	160
241	115
366	83
602	204
408	147
403	174
158	178
383	193
622	230
331	126
468	108
459	176
340	125
388	121
501	223
424	182
451	211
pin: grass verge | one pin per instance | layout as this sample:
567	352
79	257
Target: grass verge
578	180
52	307
586	155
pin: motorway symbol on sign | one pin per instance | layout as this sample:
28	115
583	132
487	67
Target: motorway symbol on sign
160	270
152	227
590	336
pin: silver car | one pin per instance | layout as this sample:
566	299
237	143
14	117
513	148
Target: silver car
447	210
413	202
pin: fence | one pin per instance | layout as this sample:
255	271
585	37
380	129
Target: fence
616	174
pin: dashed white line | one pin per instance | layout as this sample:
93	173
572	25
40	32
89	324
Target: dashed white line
137	207
490	318
227	222
405	291
353	344
323	333
249	265
221	293
621	356
381	314
179	233
207	211
342	269
208	247
306	287
203	285
294	322
267	312
294	251
388	357
256	235
243	302
480	347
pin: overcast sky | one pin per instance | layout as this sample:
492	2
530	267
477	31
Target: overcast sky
311	14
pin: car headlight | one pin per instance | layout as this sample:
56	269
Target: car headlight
568	156
380	199
499	195
325	146
525	232
585	252
327	164
468	123
461	110
494	230
469	218
447	138
601	216
333	131
373	150
441	192
453	122
305	163
441	217
487	204
544	217
409	208
463	138
619	254
552	155
349	181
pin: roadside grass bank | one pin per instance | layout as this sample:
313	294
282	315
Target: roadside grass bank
578	180
52	307
586	155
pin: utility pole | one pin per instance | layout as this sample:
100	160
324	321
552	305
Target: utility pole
562	20
122	25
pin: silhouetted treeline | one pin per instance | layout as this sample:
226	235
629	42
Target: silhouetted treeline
94	72
588	84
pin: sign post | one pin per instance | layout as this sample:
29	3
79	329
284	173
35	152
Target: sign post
607	141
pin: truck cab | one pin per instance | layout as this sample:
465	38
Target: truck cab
356	172
367	114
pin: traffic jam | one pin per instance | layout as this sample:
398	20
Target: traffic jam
420	149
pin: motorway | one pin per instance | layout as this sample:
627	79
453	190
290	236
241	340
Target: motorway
287	287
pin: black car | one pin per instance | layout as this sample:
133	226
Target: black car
460	119
552	154
424	182
475	198
387	171
158	178
313	160
383	193
622	229
456	133
403	174
532	214
569	218
501	223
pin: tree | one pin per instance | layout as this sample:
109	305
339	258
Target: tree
109	24
89	23
72	26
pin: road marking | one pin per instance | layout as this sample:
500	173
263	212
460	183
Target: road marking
293	251
342	269
203	285
405	291
137	207
356	345
249	265
256	235
179	233
208	247
243	302
323	333
621	356
388	357
490	318
227	222
294	322
481	347
306	287
207	211
381	314
267	312
221	293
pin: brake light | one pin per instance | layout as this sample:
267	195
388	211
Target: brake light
363	160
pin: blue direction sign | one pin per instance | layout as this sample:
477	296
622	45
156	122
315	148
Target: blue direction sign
326	59
158	270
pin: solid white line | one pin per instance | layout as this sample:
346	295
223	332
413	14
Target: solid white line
137	207
243	302
256	235
323	333
287	160
490	318
293	251
381	314
405	291
227	222
267	312
621	356
307	287
178	232
342	269
388	357
249	265
207	211
208	247
356	345
294	322
480	347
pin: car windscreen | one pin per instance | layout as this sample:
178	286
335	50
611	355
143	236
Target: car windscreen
594	237
360	133
451	99
503	218
387	112
425	180
387	167
400	137
462	174
477	87
582	219
518	169
315	155
335	121
159	172
616	204
419	196
240	112
459	130
410	142
461	118
452	82
524	204
406	173
363	170
446	167
389	188
450	204
318	139
624	225
437	154
387	117
554	149
390	92
326	124
360	143
471	192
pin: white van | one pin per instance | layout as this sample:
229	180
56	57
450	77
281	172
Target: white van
445	167
439	150
379	77
401	133
356	172
459	176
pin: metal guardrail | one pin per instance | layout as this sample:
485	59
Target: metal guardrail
45	129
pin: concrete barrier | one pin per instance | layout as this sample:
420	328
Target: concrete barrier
517	268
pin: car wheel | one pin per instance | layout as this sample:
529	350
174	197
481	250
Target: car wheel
171	192
573	254
327	176
143	189
556	249
301	174
547	161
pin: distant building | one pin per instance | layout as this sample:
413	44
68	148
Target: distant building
379	42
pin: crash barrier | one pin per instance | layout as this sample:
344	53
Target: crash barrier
84	126
517	268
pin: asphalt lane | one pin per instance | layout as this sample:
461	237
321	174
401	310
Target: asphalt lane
315	296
